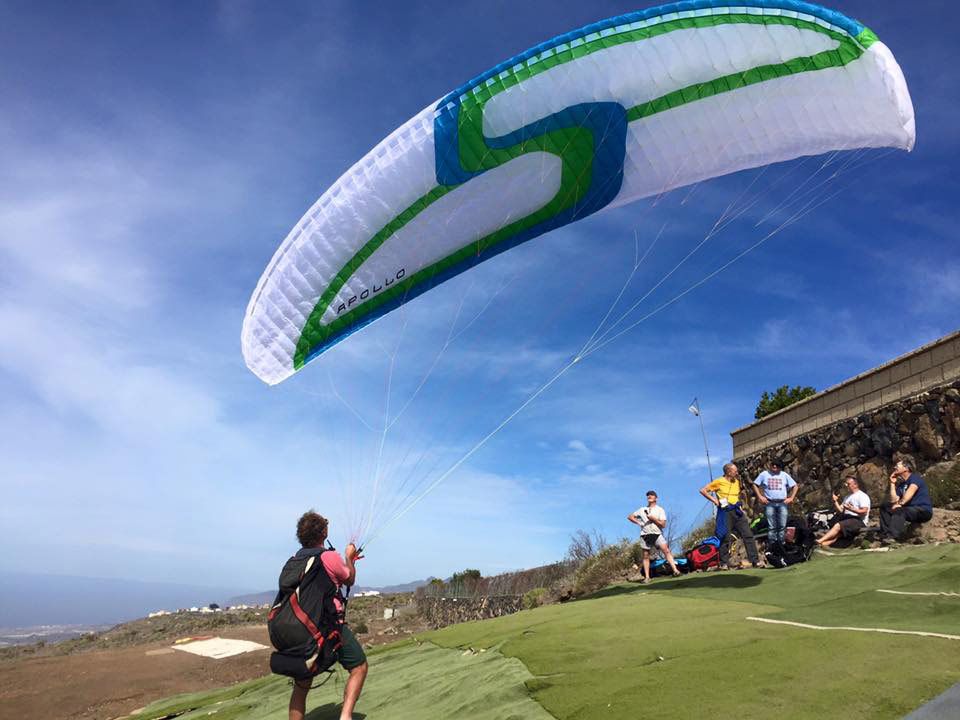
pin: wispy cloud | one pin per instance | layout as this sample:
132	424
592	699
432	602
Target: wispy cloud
147	179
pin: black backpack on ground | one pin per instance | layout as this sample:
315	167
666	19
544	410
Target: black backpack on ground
797	549
304	624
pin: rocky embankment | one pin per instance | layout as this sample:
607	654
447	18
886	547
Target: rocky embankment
943	527
924	429
440	612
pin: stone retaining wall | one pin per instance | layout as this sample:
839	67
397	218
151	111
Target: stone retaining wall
933	365
924	428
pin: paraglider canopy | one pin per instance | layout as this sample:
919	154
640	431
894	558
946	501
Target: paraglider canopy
616	111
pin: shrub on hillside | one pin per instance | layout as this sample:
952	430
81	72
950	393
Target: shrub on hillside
512	583
465	584
607	566
943	479
534	598
360	626
698	534
584	546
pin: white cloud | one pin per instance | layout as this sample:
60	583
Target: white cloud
91	373
134	222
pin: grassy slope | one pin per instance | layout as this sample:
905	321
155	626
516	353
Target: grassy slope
675	649
716	661
408	682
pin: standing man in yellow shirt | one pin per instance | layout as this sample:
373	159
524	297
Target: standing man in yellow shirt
731	519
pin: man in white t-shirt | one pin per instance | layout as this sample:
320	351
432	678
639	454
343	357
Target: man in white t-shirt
851	515
652	519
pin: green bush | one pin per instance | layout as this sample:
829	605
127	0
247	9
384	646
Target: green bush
783	396
603	568
944	483
360	626
698	534
534	598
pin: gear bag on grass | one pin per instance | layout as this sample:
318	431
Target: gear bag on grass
704	555
798	545
660	567
304	623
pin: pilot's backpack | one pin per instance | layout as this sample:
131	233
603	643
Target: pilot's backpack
704	555
798	546
304	623
660	567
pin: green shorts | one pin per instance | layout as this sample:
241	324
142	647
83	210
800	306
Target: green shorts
351	654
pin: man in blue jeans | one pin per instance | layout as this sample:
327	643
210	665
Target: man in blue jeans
775	490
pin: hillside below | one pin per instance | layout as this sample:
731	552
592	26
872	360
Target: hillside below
111	673
833	636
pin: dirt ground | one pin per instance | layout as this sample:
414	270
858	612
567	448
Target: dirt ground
108	684
113	683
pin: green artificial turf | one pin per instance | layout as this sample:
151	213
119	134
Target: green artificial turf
674	649
409	682
601	657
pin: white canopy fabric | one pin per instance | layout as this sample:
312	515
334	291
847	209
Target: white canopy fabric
620	110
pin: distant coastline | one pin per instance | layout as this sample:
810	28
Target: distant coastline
49	634
32	601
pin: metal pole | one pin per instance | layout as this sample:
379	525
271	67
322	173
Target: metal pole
695	408
706	449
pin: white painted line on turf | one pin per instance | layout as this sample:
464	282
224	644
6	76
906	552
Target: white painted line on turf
857	629
936	594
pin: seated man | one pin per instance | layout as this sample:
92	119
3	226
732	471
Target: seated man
909	502
851	515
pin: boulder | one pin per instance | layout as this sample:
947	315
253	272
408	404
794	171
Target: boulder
841	433
882	439
944	526
927	439
874	477
951	419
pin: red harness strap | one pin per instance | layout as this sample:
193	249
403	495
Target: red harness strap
305	619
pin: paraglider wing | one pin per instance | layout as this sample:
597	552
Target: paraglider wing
613	112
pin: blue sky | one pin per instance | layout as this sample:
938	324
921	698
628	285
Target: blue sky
155	155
